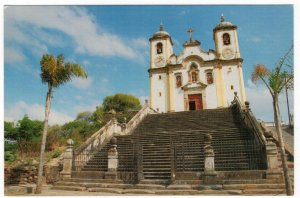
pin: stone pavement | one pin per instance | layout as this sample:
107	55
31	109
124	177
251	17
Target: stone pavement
47	191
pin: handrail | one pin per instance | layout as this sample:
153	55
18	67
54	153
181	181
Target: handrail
249	119
96	135
137	118
86	150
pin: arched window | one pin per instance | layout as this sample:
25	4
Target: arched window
193	66
226	39
209	78
159	48
178	81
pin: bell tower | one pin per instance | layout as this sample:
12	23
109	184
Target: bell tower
230	61
226	40
161	48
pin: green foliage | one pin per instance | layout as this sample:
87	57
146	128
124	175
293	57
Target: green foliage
10	130
280	76
97	116
56	153
29	129
25	130
10	147
121	103
125	117
85	116
55	72
10	156
78	130
54	138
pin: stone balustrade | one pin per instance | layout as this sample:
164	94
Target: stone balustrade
85	151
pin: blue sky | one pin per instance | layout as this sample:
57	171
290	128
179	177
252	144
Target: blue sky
111	42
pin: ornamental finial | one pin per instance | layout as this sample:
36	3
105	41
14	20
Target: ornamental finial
161	27
222	17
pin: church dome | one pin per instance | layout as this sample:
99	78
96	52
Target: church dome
224	25
161	33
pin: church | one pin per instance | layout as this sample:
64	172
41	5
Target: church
195	79
197	136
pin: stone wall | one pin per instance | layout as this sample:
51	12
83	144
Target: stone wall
27	173
21	174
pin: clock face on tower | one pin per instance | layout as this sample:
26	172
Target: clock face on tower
159	61
227	53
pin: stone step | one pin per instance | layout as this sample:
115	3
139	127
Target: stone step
250	181
110	185
88	180
155	181
70	188
264	191
252	186
153	162
188	182
193	192
153	173
106	190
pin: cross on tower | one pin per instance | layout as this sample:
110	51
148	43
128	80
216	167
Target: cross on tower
190	30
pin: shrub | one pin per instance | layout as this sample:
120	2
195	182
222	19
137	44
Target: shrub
10	156
56	153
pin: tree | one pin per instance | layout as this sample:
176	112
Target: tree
121	103
10	131
29	129
54	72
85	116
275	80
25	130
97	116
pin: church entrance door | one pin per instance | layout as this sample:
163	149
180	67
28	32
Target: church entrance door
195	102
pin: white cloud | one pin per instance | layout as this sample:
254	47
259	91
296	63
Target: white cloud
74	22
143	99
91	108
184	12
140	43
34	111
82	83
86	62
261	102
12	56
15	33
254	39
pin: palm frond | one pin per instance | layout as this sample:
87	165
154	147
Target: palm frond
55	72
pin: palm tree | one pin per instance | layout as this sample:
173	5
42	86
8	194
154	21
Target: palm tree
54	72
275	80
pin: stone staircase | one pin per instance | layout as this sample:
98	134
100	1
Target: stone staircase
165	155
179	138
246	186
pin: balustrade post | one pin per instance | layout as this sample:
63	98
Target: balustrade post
68	160
247	105
235	94
113	161
273	171
209	175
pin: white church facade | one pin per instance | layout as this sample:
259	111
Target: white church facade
195	79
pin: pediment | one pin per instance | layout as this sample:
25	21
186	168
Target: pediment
196	85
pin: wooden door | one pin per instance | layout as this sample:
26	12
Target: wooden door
197	100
